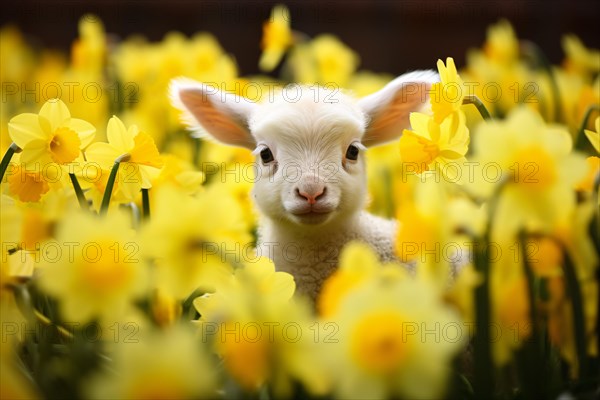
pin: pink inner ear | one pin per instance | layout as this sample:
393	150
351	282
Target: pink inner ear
223	126
387	124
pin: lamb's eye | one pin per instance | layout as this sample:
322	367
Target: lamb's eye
266	156
352	152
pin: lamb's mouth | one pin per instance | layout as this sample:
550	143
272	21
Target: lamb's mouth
312	216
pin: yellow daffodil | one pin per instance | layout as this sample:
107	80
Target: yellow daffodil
249	320
28	228
277	37
502	44
594	137
208	60
11	234
195	242
382	350
141	160
166	309
166	364
446	97
27	185
579	58
179	173
383	167
12	217
324	60
93	178
18	57
358	264
425	231
255	282
432	146
576	96
587	183
560	321
335	61
510	313
538	170
50	136
496	74
89	51
99	271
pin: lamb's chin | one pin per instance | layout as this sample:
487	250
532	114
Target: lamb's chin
311	218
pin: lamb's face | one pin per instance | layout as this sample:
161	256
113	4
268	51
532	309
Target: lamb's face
310	159
308	140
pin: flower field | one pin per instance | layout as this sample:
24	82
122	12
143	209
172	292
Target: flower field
128	266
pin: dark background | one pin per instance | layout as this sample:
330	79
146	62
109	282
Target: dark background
390	36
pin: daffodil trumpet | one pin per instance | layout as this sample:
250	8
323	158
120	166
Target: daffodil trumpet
476	101
581	141
78	192
12	149
111	182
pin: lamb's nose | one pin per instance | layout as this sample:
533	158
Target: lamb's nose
312	194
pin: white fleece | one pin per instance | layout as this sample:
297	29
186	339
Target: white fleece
311	257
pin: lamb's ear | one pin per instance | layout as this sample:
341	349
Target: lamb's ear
388	110
207	110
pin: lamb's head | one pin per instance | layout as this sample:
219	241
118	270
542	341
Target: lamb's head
309	141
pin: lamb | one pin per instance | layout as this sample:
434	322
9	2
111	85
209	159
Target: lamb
310	189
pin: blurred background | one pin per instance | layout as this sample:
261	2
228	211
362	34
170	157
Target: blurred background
390	36
117	58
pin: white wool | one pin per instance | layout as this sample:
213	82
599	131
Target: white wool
308	131
312	258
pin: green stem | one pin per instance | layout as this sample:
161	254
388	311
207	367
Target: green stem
581	140
197	149
532	358
12	149
78	192
529	275
574	292
484	378
111	183
480	106
532	50
145	205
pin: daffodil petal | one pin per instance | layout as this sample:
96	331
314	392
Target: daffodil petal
594	139
451	169
283	284
103	154
269	59
85	130
24	128
419	123
442	71
56	112
451	154
118	136
130	181
148	174
36	151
